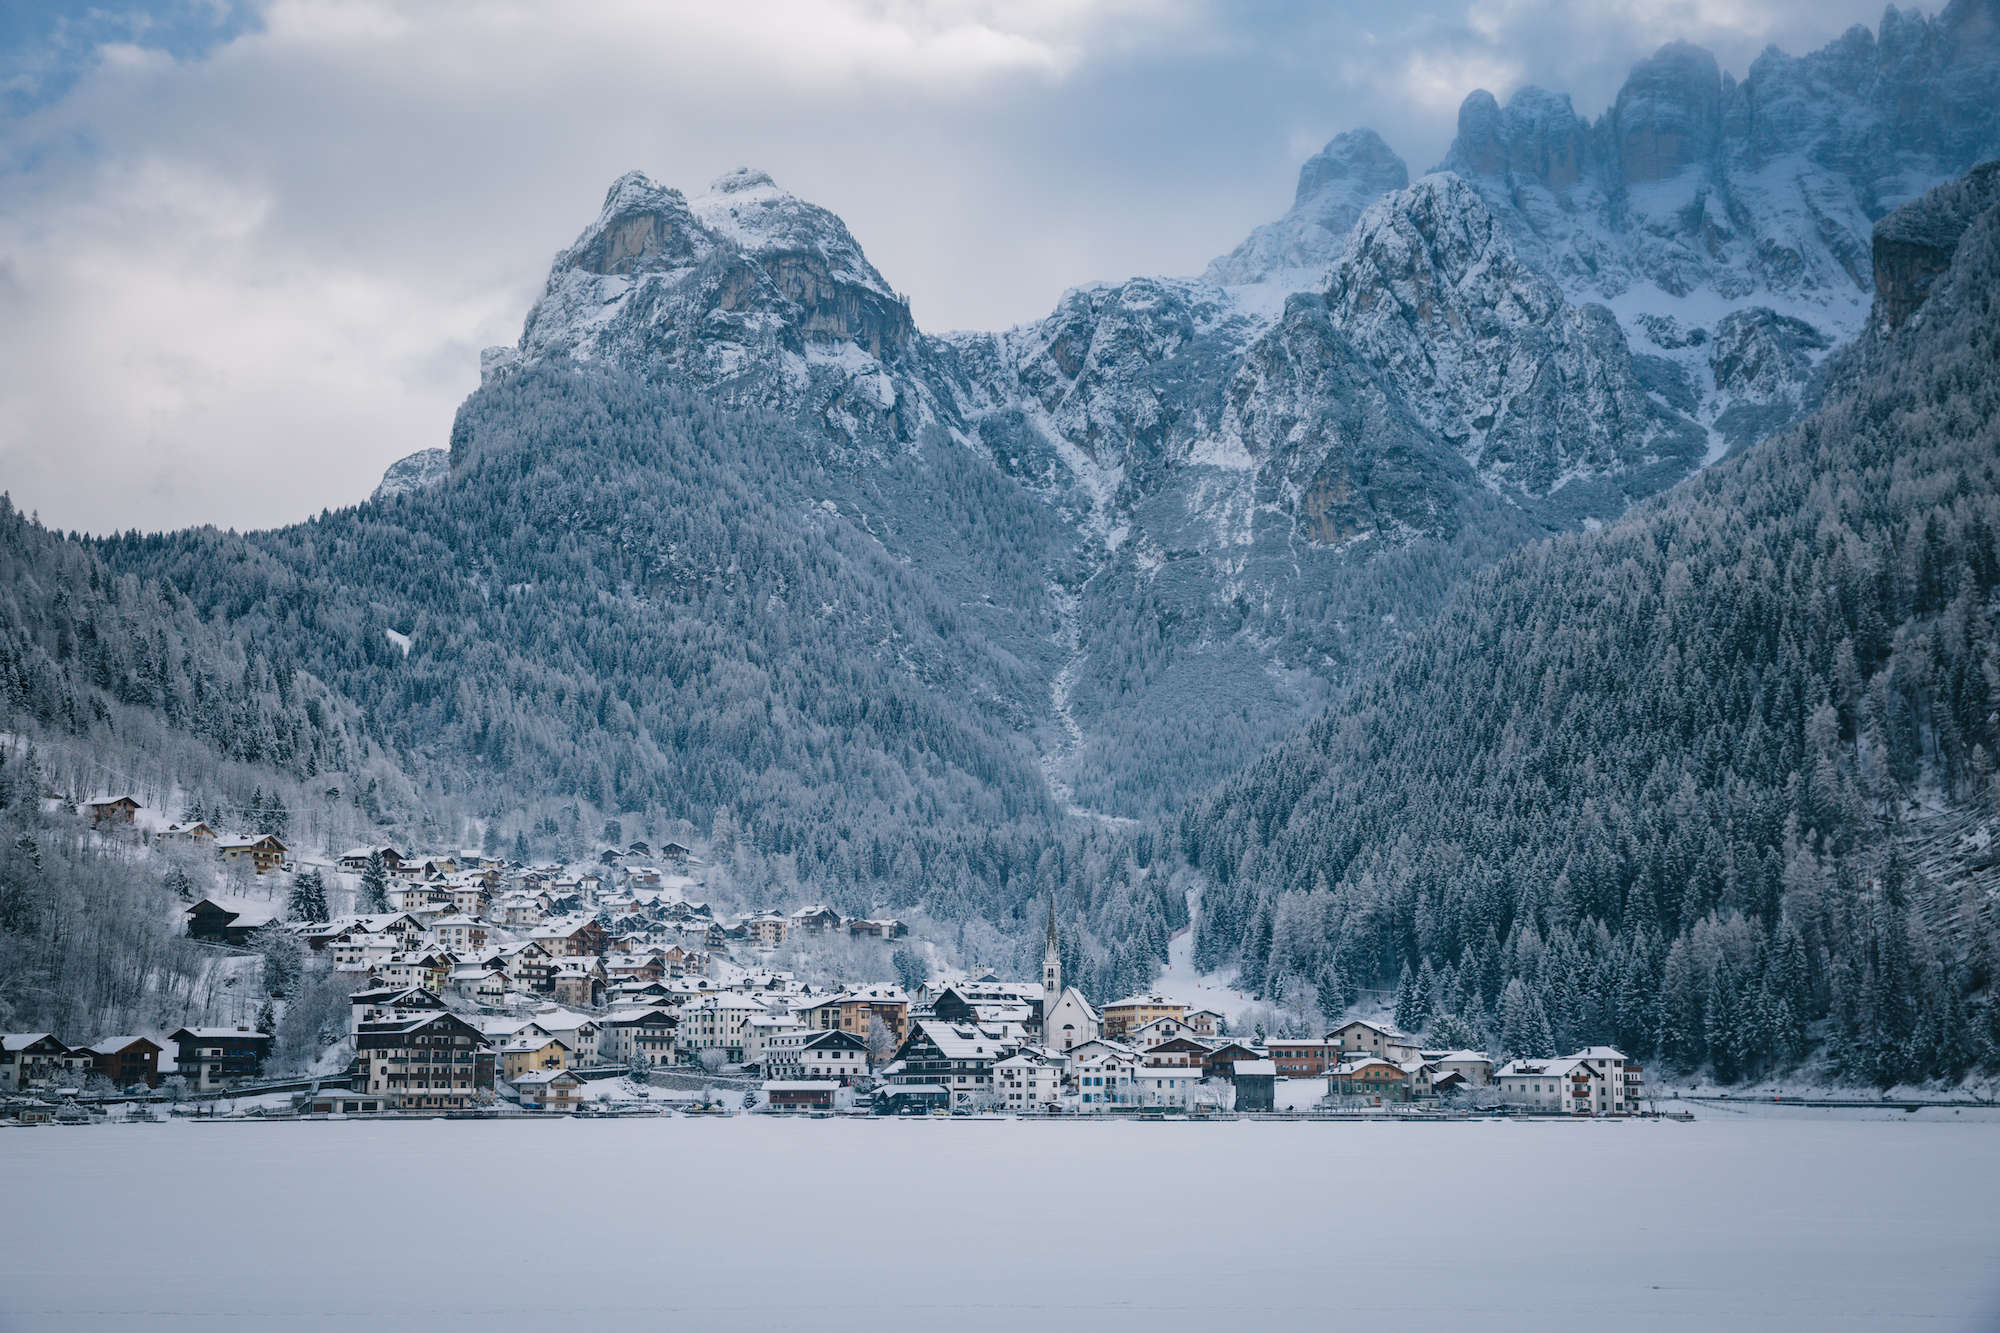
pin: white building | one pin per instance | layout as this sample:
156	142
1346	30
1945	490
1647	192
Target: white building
1027	1081
1595	1081
1165	1085
716	1022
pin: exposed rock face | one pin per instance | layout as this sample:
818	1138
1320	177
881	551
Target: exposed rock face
1668	115
1916	243
418	472
1696	196
1335	185
1534	392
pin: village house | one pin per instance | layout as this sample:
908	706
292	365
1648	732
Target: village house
1027	1080
1596	1081
839	1056
211	1058
579	1033
261	851
1165	1085
1474	1067
436	1061
112	809
127	1060
193	831
1221	1059
818	919
1299	1057
388	1004
767	930
1369	1078
1103	1071
1135	1011
229	922
524	1054
639	1036
578	981
855	1008
959	1056
460	933
716	1022
881	928
1175	1053
28	1059
572	938
552	1090
1360	1037
355	859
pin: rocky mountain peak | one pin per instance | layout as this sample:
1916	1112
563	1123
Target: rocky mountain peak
1668	116
1538	136
1354	169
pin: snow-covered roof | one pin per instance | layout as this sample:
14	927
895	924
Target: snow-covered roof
800	1085
20	1041
1254	1068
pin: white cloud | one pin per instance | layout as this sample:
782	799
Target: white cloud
233	289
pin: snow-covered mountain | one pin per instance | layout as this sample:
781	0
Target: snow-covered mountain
1566	316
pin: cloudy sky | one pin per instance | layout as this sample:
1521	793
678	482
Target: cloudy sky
249	252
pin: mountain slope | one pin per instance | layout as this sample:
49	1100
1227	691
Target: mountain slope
1718	780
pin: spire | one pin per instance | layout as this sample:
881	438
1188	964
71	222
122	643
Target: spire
1051	961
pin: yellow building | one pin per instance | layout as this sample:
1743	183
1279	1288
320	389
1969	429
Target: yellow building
1135	1011
531	1054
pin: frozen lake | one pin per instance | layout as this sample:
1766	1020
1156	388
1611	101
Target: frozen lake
750	1223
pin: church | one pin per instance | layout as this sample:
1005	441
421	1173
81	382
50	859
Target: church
1067	1019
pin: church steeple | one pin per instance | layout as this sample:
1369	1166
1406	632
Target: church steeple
1051	961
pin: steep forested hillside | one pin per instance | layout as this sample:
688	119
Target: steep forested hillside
1716	782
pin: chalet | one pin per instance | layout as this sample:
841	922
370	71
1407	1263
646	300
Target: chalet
1475	1067
1256	1085
839	1056
575	938
1135	1011
28	1059
263	852
1175	1053
795	1095
387	1004
1369	1078
1159	1030
578	981
420	897
881	928
780	1045
194	830
530	966
227	922
1027	1080
672	852
1205	1022
553	1090
527	1053
1299	1057
210	1058
817	919
857	1008
484	986
639	1037
429	968
1360	1037
437	1061
127	1060
355	859
112	809
960	1056
1221	1059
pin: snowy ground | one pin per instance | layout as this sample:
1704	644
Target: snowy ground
1732	1222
